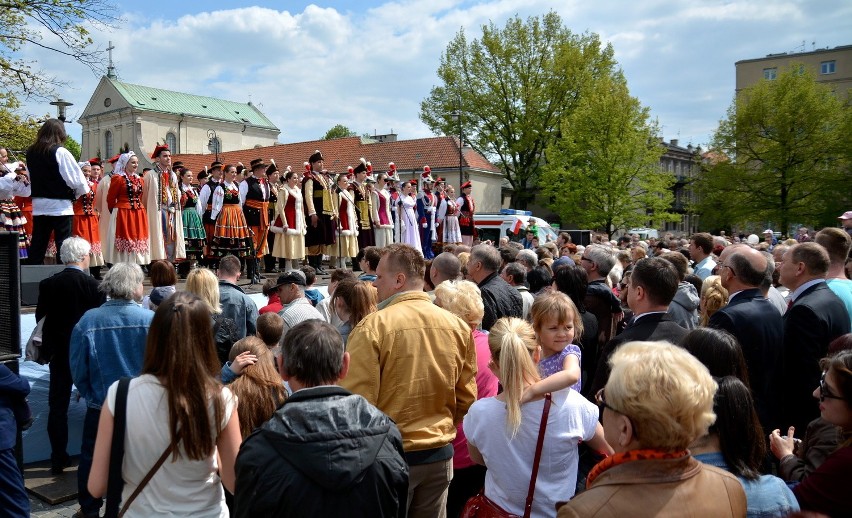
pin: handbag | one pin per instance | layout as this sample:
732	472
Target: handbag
480	506
115	483
34	350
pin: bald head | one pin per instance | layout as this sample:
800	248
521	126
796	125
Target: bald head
445	267
747	267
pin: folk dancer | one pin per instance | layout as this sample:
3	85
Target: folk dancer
448	215
86	222
205	200
254	198
231	233
440	196
381	210
273	181
127	238
101	205
195	238
320	211
467	210
408	216
347	224
289	224
162	201
13	182
363	206
426	208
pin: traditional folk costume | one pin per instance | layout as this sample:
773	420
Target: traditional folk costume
426	208
205	200
86	224
274	187
194	235
448	215
103	210
11	217
289	226
25	205
127	240
254	198
382	218
231	233
318	200
347	230
440	196
467	210
363	207
410	232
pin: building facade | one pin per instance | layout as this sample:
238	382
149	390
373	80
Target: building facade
122	115
684	164
830	66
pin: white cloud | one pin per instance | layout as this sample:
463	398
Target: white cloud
369	69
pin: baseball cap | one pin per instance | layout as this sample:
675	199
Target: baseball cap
846	215
768	231
291	277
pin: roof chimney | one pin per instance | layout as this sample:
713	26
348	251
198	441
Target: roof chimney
674	141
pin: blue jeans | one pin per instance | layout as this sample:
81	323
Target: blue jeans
88	504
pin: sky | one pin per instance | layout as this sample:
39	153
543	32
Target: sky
368	64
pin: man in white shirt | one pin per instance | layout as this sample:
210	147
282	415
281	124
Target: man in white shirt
700	251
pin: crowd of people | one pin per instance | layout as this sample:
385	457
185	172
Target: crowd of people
697	376
260	214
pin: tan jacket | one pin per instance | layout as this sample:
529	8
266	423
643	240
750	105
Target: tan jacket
660	488
417	363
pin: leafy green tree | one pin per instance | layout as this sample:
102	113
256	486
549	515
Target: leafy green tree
17	131
604	171
74	147
508	91
59	26
782	155
339	131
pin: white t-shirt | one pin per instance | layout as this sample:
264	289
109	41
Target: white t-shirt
182	488
509	460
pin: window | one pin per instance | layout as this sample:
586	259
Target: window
171	141
827	67
108	143
770	73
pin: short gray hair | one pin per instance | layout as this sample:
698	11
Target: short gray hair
74	250
121	281
488	255
602	257
527	258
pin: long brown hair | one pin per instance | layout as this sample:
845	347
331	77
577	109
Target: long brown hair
52	133
359	296
181	353
259	388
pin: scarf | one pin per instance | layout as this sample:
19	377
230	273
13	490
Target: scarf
630	456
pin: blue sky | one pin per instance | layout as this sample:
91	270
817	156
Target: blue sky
368	64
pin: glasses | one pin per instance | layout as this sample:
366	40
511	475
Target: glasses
600	398
824	391
584	258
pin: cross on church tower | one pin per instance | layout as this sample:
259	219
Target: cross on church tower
110	67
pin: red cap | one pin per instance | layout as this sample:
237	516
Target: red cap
94	161
392	166
465	185
159	149
307	167
114	159
426	170
369	168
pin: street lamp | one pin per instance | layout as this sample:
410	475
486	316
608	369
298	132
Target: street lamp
457	115
213	143
61	105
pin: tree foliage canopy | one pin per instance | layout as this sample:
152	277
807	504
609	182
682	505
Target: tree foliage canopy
511	88
604	169
782	155
56	25
339	131
17	132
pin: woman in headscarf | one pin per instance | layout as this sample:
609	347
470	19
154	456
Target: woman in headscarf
128	223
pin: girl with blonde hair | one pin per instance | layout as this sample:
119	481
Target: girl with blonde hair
205	285
502	434
713	298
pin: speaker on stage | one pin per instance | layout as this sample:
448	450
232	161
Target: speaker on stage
31	276
10	302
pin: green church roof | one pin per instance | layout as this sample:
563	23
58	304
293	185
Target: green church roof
177	103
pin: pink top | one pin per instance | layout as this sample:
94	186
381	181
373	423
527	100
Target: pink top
486	386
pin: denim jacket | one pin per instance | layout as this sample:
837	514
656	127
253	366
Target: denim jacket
239	307
106	344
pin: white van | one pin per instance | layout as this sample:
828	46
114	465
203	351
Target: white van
644	233
511	223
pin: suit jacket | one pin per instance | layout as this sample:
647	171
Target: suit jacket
62	299
759	329
816	318
654	327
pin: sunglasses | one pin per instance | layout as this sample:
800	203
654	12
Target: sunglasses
824	391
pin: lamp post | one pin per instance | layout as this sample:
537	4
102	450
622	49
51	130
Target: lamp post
457	115
61	105
213	143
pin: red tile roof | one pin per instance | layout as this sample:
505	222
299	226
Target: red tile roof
439	153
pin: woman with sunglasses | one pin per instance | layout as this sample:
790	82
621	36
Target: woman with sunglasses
657	401
826	490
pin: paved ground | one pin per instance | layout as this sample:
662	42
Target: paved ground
44	510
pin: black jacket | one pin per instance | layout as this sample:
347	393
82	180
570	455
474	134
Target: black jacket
63	298
500	300
759	329
817	317
325	452
649	328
